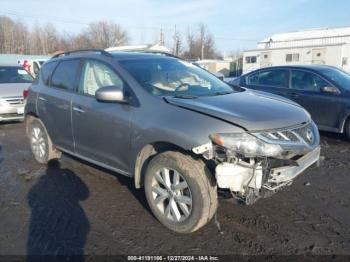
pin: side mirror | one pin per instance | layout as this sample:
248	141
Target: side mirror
330	90
110	94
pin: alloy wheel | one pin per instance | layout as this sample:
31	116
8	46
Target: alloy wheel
38	142
171	194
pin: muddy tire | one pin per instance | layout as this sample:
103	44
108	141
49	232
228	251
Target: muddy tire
40	142
180	191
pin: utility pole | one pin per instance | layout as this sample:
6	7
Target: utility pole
202	51
175	42
161	37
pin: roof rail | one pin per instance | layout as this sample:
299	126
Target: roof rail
149	52
101	51
160	53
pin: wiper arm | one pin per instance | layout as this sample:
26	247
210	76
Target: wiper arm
223	93
185	96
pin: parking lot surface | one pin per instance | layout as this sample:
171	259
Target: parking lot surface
72	207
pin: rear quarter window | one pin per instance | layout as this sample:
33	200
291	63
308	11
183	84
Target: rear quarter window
46	71
65	75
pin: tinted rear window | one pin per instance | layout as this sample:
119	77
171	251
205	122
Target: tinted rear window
65	75
47	70
275	77
12	74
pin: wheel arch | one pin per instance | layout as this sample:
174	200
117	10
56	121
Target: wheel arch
148	151
345	121
28	117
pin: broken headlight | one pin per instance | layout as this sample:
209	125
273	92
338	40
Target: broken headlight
246	145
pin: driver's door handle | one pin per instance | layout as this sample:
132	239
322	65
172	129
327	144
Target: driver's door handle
78	109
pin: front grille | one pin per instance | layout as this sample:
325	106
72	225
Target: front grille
304	134
14	100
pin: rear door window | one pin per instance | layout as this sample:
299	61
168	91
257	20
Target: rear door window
272	78
253	79
307	81
66	75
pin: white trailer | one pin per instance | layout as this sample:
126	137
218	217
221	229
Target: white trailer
319	46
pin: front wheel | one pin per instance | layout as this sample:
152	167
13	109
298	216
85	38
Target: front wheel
180	191
40	142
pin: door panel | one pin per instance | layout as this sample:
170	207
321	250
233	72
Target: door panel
54	111
306	90
101	130
54	103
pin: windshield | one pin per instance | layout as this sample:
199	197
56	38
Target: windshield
11	74
338	76
174	77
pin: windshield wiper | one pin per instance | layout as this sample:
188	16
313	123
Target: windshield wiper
222	93
185	96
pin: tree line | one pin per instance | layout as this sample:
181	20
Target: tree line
17	38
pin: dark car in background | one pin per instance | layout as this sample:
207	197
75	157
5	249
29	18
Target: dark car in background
324	91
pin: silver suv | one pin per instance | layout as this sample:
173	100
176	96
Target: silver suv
174	128
14	80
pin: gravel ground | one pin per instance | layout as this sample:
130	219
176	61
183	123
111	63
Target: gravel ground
72	207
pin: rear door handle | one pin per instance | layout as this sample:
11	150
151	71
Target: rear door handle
42	99
294	94
78	109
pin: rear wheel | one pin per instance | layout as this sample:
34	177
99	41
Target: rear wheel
40	142
180	191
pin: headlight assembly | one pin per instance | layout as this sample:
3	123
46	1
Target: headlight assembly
246	145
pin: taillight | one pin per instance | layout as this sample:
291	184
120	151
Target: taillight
25	93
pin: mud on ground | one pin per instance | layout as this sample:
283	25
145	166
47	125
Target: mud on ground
76	208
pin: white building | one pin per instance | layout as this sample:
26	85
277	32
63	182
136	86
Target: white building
329	46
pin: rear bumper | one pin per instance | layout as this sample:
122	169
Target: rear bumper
10	117
10	113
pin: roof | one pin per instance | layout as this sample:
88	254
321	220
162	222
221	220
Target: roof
309	34
281	47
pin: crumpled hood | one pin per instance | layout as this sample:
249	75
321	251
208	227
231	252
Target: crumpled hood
249	109
16	89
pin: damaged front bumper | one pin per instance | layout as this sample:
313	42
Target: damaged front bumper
240	177
281	176
250	177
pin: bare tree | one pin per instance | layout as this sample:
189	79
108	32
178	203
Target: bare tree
15	37
105	34
200	45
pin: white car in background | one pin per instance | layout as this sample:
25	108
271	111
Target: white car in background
34	65
14	80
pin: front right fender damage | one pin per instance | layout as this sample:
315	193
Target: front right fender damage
249	178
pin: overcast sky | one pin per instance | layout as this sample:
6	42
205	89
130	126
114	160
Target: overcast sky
236	24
